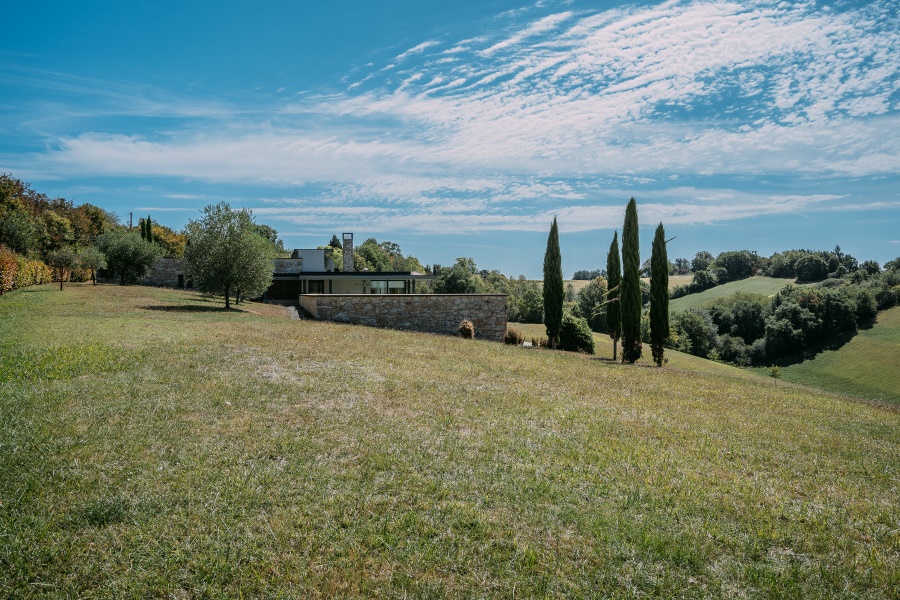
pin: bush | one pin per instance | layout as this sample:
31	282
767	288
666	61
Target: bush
513	337
575	335
811	268
467	330
9	269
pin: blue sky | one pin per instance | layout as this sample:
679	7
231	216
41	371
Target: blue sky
461	129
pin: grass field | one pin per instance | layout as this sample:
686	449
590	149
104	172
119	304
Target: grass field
868	366
156	446
754	285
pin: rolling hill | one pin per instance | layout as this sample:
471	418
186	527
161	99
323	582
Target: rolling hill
753	285
155	445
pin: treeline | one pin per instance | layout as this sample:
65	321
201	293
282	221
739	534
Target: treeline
379	257
754	330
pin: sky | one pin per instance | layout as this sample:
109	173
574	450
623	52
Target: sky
463	128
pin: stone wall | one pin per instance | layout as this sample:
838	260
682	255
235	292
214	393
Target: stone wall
433	313
167	272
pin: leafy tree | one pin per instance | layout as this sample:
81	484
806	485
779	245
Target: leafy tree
659	296
575	335
588	275
128	257
592	304
614	281
811	268
682	266
570	294
631	286
530	306
553	286
226	253
696	332
735	265
92	259
702	261
870	266
269	233
703	280
892	265
458	279
63	261
18	231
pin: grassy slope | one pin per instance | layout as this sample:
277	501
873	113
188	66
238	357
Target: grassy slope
753	285
868	366
157	446
674	281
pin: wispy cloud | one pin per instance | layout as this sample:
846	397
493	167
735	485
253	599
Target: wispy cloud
547	114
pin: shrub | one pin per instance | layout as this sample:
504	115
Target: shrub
540	342
775	371
467	330
575	335
513	337
812	268
9	269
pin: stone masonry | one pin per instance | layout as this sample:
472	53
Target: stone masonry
433	313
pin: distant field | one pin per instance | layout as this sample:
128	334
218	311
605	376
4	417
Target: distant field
153	445
674	280
754	285
868	366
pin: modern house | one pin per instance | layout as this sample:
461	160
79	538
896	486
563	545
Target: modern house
312	271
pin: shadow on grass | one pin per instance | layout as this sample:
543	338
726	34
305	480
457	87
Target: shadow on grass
188	308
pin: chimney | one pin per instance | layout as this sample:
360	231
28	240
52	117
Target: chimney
348	253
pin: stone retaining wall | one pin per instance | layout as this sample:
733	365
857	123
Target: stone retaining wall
167	272
432	313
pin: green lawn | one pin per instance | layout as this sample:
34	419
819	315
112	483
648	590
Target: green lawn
754	285
868	366
156	446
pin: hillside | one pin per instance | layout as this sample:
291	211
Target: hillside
867	366
156	445
754	285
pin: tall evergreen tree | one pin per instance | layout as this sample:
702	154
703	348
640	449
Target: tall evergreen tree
614	280
631	286
143	229
659	295
553	286
148	224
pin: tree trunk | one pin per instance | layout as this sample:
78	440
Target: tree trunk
61	275
94	276
227	297
615	343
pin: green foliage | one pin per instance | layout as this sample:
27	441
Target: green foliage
271	235
735	265
385	256
631	286
458	279
467	330
227	255
553	286
575	335
529	306
614	282
18	232
570	294
702	261
585	275
513	337
336	242
64	260
811	268
128	257
659	296
592	304
892	265
92	259
774	371
696	332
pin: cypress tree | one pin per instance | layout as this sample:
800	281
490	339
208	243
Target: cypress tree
149	229
659	295
143	229
553	286
614	280
630	296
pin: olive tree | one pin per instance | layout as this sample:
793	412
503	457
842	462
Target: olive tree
225	253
